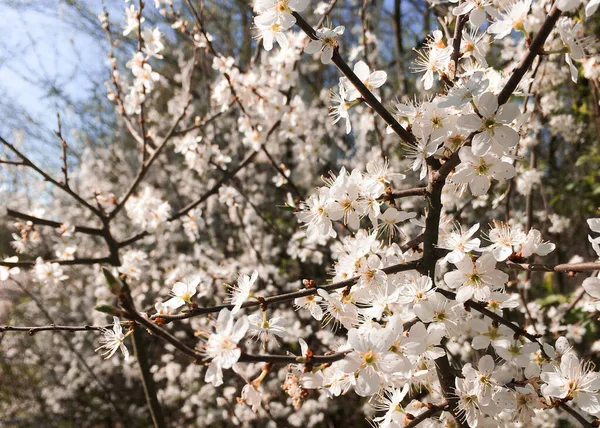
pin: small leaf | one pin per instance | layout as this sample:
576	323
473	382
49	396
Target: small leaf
113	283
286	207
107	309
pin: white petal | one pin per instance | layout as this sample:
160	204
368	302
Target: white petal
487	104
313	47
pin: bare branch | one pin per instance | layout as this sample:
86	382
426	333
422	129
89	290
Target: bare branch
563	268
52	327
78	261
64	146
63	187
44	222
432	411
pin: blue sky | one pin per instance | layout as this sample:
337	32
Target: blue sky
41	52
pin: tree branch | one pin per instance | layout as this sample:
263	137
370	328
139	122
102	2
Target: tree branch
63	187
44	222
265	301
367	95
432	411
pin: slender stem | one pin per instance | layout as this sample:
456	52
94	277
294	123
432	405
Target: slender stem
44	222
403	193
460	24
28	163
79	261
583	421
147	379
52	327
434	410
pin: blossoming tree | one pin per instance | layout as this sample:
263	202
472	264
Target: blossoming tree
441	272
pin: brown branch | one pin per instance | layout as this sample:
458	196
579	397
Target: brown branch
78	261
64	146
482	309
563	268
583	421
291	359
265	301
534	49
432	411
52	327
51	223
460	24
142	119
14	163
145	167
200	125
90	371
215	189
326	14
403	193
367	95
281	172
28	163
147	379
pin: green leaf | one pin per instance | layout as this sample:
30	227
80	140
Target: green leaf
107	309
113	283
286	207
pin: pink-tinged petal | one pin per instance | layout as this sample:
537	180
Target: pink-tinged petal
125	351
591	8
486	364
224	321
287	20
572	68
298	5
266	19
282	40
463	176
472	230
267	39
240	328
368	382
427	80
594	224
349	364
480	342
